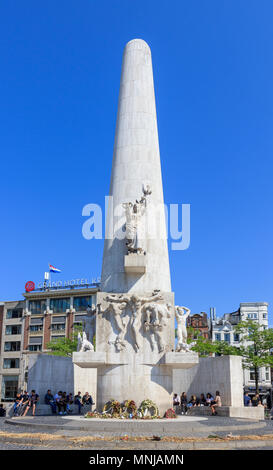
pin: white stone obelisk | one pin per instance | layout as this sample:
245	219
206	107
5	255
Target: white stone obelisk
134	354
136	162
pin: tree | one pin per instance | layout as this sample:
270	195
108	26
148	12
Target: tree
255	347
65	346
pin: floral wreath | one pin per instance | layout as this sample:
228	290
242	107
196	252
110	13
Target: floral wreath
148	406
129	408
113	407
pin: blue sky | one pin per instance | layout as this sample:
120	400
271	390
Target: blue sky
60	70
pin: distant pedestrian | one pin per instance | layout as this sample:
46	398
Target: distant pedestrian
2	410
184	403
176	403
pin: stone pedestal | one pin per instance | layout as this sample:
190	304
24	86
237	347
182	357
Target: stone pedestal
134	378
125	371
135	263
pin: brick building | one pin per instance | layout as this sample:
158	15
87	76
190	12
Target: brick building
199	322
29	325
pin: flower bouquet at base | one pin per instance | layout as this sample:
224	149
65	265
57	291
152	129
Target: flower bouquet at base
170	414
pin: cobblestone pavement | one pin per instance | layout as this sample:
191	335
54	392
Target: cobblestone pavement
36	434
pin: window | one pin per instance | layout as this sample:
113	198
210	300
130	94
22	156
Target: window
58	327
10	387
59	305
34	328
267	374
12	346
264	315
227	337
80	304
217	336
37	306
36	324
14	313
13	329
11	363
35	347
236	337
251	374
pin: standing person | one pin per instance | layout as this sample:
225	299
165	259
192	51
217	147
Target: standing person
2	411
217	402
183	402
32	402
78	401
176	403
247	399
49	400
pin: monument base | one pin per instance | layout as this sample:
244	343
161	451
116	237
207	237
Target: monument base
138	379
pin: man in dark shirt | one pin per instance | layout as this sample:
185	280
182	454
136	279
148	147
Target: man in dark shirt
255	400
2	410
32	402
49	400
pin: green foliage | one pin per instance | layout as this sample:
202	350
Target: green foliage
255	347
203	346
255	344
65	346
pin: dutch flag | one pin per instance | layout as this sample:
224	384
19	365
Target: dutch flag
53	270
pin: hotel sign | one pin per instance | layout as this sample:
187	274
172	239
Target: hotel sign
71	283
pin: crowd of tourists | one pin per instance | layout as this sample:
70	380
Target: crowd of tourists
256	400
60	403
182	404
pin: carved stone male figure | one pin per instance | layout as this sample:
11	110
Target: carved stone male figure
117	311
181	314
135	304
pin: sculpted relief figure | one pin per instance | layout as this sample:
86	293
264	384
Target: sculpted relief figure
181	314
89	323
134	213
117	310
156	317
135	304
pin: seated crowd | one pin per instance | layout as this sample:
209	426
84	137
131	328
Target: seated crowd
60	402
182	404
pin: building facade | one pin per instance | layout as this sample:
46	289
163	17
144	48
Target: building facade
200	324
222	329
29	325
